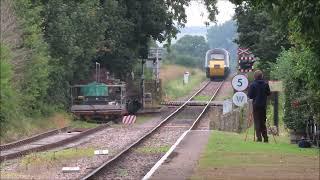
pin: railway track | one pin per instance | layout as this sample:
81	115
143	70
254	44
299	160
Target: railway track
45	141
170	127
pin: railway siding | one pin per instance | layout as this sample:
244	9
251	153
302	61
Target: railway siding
121	161
45	142
115	139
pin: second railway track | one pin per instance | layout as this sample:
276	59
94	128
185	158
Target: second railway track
135	160
45	141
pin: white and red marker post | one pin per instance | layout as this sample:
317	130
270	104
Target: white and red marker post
129	119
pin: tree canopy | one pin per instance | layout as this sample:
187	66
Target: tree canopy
50	45
284	35
223	36
189	51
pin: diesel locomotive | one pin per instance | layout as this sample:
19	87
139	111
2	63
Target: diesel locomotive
217	63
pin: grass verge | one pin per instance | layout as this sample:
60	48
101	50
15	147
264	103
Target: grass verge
202	98
175	88
230	151
83	124
52	157
29	127
35	126
143	118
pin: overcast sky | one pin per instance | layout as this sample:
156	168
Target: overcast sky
196	9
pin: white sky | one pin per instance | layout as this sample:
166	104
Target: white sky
196	9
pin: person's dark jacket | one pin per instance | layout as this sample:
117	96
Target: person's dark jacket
258	91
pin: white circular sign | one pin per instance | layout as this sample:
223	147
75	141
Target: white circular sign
239	98
240	82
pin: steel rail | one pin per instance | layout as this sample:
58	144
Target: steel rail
193	126
51	145
163	158
149	133
191	103
33	138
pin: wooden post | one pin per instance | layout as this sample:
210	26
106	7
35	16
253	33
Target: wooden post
142	83
276	111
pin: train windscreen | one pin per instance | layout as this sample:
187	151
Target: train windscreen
217	56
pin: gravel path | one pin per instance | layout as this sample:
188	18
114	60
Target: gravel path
141	159
185	159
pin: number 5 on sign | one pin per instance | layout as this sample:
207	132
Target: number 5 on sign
240	82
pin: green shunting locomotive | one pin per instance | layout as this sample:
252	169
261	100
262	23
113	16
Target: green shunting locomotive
98	101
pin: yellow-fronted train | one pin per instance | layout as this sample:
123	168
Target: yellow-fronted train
217	63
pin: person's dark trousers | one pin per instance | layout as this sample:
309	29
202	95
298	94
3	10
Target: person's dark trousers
259	116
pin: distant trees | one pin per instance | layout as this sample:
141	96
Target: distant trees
223	36
188	51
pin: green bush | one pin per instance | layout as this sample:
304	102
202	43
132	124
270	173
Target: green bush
8	101
301	98
36	80
25	101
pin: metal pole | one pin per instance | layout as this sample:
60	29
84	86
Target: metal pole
96	72
99	78
157	65
276	111
142	83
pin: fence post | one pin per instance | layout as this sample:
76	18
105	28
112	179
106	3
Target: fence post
276	110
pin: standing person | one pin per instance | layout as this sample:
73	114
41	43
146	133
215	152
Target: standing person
258	92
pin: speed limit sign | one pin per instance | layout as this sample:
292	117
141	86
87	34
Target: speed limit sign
240	82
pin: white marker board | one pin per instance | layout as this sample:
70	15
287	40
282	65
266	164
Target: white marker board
70	169
101	152
227	106
239	98
240	82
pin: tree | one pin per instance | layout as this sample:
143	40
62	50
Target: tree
257	32
189	51
195	46
222	36
53	44
148	20
73	30
298	21
299	98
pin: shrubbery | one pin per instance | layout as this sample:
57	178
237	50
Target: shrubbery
301	99
8	101
24	98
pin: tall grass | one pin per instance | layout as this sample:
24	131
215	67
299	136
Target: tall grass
26	127
175	88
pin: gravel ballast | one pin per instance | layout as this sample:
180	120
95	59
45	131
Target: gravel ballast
114	139
136	164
